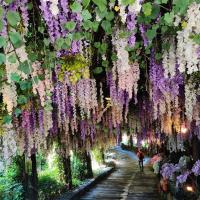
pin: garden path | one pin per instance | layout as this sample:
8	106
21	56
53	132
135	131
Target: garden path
127	182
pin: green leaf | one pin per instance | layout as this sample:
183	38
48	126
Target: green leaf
70	25
105	63
85	3
13	18
155	26
161	1
46	42
151	34
166	46
17	112
22	99
25	67
86	15
127	2
15	77
101	4
12	58
97	44
25	85
1	12
164	29
95	26
16	39
103	48
87	25
114	57
106	25
147	9
101	14
181	6
41	29
77	36
68	42
1	25
155	12
30	6
169	18
158	56
88	35
9	1
2	42
59	43
33	56
196	38
2	58
2	73
7	119
76	7
110	16
98	70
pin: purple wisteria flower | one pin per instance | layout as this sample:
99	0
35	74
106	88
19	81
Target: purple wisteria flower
143	30
168	169
196	168
131	25
182	178
162	85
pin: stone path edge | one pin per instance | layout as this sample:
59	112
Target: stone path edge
87	186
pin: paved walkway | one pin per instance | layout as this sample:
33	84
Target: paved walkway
127	182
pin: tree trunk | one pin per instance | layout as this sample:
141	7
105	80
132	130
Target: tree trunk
34	178
102	155
67	171
131	141
89	165
24	177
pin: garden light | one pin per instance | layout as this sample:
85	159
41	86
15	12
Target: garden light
189	188
184	129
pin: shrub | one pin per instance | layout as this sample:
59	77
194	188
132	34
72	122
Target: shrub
11	187
79	168
49	187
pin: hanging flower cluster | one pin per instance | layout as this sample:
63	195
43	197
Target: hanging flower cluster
56	15
196	168
164	90
9	96
9	143
191	93
168	170
86	93
128	80
169	60
187	49
182	178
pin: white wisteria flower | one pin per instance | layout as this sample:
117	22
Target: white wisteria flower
187	55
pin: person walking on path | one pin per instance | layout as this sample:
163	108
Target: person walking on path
140	156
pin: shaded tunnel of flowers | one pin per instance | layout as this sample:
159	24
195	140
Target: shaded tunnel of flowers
78	75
